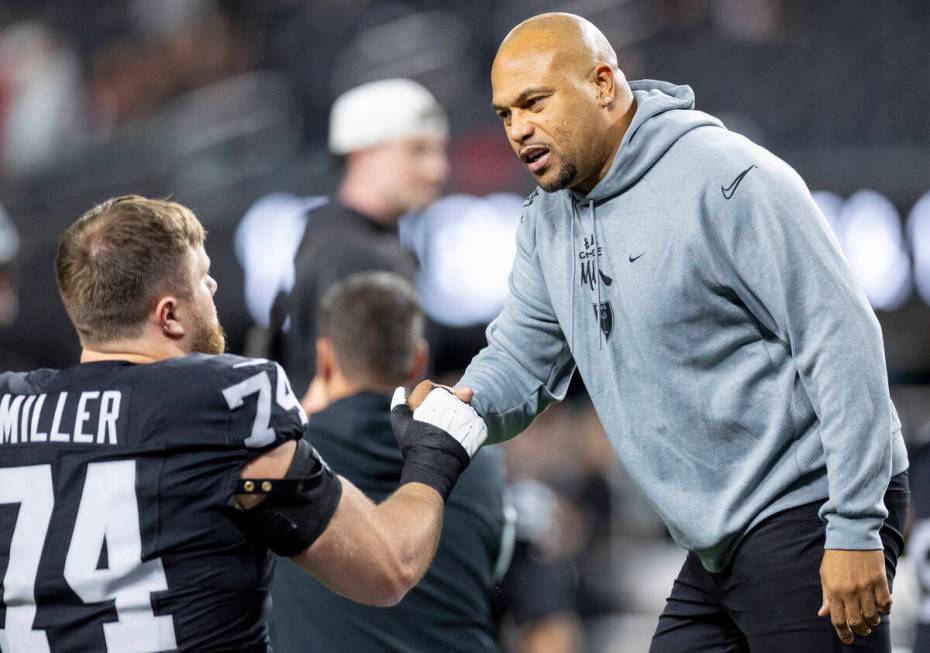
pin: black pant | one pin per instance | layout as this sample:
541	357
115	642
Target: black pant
767	598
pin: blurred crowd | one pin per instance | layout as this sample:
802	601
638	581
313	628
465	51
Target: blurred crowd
221	103
74	73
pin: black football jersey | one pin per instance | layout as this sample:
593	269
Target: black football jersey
117	529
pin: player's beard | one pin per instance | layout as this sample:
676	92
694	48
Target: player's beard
208	338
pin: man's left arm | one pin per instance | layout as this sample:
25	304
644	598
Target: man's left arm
776	250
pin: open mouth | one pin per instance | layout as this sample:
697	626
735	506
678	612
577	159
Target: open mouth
535	158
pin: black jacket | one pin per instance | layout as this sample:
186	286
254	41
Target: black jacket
338	242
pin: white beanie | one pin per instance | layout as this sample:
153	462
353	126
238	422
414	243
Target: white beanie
382	111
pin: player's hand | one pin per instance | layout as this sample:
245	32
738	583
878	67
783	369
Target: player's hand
443	408
419	393
855	591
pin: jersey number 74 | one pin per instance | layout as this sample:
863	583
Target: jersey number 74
108	515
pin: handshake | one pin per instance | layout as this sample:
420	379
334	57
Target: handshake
438	433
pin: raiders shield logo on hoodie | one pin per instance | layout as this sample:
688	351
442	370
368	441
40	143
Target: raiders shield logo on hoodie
605	316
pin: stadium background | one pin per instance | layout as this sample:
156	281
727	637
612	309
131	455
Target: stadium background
220	103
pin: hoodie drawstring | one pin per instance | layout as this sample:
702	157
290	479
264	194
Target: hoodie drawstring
571	254
597	276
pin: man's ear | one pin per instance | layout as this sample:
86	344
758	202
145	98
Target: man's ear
603	78
166	316
420	359
325	359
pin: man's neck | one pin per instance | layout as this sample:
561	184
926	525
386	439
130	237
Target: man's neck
615	135
340	390
131	352
359	197
90	356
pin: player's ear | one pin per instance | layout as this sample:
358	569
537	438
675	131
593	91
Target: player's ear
420	359
166	317
325	359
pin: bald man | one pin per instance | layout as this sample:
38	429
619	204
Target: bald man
733	360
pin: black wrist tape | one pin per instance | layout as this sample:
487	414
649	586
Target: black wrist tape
434	458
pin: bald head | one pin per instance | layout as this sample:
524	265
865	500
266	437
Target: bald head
577	42
564	102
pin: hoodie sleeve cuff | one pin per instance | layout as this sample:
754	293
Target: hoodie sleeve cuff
853	534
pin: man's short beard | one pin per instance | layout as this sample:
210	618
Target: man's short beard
208	338
566	176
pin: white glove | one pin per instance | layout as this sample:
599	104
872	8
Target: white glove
444	410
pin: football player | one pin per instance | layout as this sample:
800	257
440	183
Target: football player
143	491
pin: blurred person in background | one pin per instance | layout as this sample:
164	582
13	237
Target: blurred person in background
390	137
538	598
175	47
918	540
370	340
733	360
566	506
144	490
41	99
10	360
9	248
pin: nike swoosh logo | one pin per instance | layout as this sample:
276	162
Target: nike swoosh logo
729	190
634	258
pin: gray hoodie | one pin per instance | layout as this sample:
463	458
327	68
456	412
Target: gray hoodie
733	360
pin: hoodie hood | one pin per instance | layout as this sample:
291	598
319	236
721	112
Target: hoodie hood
664	113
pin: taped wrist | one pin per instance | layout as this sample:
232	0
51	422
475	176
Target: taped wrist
431	457
298	507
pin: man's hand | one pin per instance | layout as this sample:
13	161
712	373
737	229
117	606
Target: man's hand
855	591
423	388
444	408
435	451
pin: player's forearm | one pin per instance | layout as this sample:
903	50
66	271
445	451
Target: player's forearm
374	554
410	524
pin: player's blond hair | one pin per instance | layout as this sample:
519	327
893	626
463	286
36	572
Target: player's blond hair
116	260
